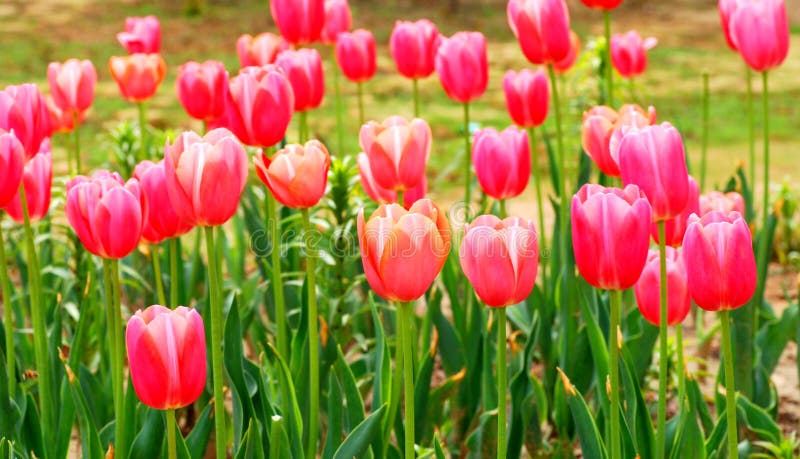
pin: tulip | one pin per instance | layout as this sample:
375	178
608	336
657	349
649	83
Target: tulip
61	121
602	4
167	356
629	53
598	124
138	75
72	85
299	21
259	50
675	227
527	97
630	118
398	151
338	19
717	201
205	176
542	28
142	35
303	68
462	66
12	165
647	288
355	54
203	89
564	65
297	175
654	160
161	221
37	179
759	30
502	161
413	46
23	111
726	9
386	196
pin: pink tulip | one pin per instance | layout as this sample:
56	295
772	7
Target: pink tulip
720	263
721	202
297	175
61	121
675	227
403	250
648	288
142	35
654	160
564	65
303	68
527	96
413	46
23	111
610	235
502	161
598	124
167	356
542	28
72	84
760	31
338	19
462	66
299	21
203	89
355	54
630	118
106	213
602	4
259	50
138	75
398	151
500	258
726	9
629	53
205	176
37	179
12	165
161	221
383	195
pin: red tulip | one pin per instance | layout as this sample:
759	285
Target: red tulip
384	195
38	181
303	68
161	221
106	213
299	21
61	121
720	263
12	164
297	175
675	227
654	160
142	35
413	46
203	89
648	288
721	202
205	176
502	161
337	20
542	28
398	151
527	96
167	356
602	4
760	31
462	66
355	54
726	9
629	53
72	84
259	50
23	111
610	235
138	75
564	65
403	250
500	258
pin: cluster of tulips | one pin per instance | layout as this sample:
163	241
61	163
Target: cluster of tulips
704	248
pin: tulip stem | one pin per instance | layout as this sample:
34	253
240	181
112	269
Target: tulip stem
401	198
765	98
608	69
562	188
112	338
215	300
730	390
416	97
172	450
467	161
681	364
503	213
539	207
613	369
313	337
142	131
162	298
397	381
8	319
274	225
337	103
704	144
360	91
662	361
751	126
77	133
407	311
501	382
174	283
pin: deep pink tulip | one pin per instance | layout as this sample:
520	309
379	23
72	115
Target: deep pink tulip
297	175
259	50
384	195
12	164
675	227
720	263
403	250
61	121
629	53
542	28
167	356
610	235
355	54
23	111
648	288
142	35
205	176
500	258
303	68
564	65
106	213
760	31
721	202
398	151
462	66
413	46
38	181
162	221
203	89
72	84
338	19
299	21
527	96
602	4
502	161
726	9
654	160
138	75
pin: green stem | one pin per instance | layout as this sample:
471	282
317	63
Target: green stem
539	207
337	102
765	98
401	198
118	363
394	401
564	206
302	127
503	213
407	310
501	382
632	89
704	145
467	160
108	272
613	369
174	281
275	436
171	439
730	387
162	298
77	133
142	131
313	337
274	225
662	368
609	66
416	97
8	318
681	364
215	298
360	87
751	126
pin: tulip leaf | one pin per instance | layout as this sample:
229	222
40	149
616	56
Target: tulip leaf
757	420
382	379
252	445
294	420
450	349
637	414
233	362
150	439
90	440
422	389
335	403
591	441
354	412
357	443
198	438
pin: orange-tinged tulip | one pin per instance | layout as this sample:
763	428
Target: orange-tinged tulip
721	202
297	175
383	195
398	151
259	50
138	75
648	288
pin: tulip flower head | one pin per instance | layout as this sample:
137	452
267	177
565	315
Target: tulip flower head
355	54
629	53
675	227
23	112
413	46
141	35
726	9
527	96
162	221
72	85
12	164
721	202
303	69
462	65
260	50
138	75
37	179
299	21
564	65
648	288
60	120
387	196
297	175
542	28
338	19
203	89
398	151
759	30
502	161
602	4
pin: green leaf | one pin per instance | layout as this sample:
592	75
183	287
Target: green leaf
198	438
294	420
590	438
357	443
90	440
252	446
233	362
422	389
451	350
354	413
150	439
758	420
335	403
